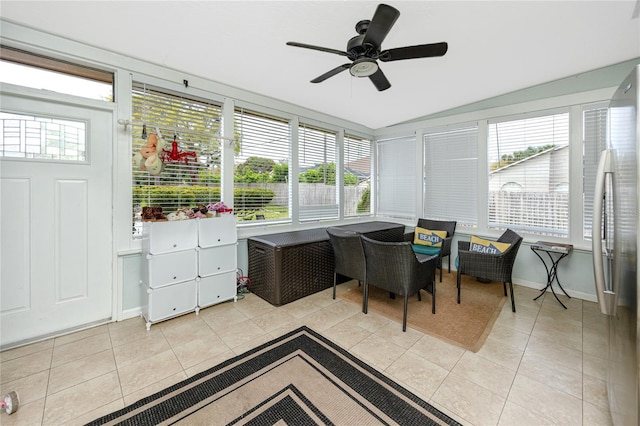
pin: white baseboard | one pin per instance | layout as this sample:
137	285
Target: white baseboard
538	286
131	313
577	294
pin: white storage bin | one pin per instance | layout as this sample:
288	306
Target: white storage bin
215	260
165	237
169	301
171	268
217	231
216	289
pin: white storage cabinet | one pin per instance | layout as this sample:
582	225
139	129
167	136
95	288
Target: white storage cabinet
217	260
179	275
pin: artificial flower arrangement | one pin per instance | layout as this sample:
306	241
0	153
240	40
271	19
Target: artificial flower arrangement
155	214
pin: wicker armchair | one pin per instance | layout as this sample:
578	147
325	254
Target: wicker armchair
439	225
348	253
495	267
393	266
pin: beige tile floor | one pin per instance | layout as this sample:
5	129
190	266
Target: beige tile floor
542	365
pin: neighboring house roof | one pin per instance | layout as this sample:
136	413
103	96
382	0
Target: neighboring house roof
539	154
361	166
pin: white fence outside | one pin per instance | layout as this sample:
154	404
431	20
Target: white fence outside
545	213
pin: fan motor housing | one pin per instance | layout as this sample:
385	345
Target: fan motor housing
354	46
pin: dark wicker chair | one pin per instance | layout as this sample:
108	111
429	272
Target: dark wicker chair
438	225
495	267
393	266
348	253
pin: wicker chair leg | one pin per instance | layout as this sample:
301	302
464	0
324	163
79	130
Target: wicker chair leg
449	261
335	279
365	297
504	287
513	302
433	299
458	285
404	315
419	297
440	266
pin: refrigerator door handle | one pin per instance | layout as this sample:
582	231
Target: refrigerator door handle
606	297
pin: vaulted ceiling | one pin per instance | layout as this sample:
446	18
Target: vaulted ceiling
495	47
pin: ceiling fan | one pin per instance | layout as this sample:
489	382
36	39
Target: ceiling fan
364	49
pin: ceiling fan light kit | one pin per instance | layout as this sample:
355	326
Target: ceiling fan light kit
363	67
364	49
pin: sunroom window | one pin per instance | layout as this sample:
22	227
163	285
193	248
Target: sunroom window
317	173
261	175
450	175
594	136
534	154
39	72
357	176
185	172
397	178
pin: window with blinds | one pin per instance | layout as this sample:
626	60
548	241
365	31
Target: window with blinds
186	171
529	175
261	176
357	176
397	178
450	175
594	137
317	173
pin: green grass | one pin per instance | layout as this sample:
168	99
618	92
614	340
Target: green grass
270	213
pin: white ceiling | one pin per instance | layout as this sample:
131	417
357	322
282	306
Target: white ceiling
495	47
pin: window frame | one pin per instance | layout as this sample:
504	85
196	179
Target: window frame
443	130
276	115
166	132
406	209
319	211
535	232
344	161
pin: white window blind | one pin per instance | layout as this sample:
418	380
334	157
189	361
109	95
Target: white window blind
397	178
594	136
261	177
317	173
451	175
357	176
190	174
529	174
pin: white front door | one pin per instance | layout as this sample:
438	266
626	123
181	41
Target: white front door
55	216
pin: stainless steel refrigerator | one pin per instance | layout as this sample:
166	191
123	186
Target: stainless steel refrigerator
615	249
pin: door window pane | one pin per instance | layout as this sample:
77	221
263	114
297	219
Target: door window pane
42	138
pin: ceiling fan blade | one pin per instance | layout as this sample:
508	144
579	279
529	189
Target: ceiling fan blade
379	80
380	25
412	52
321	49
331	73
